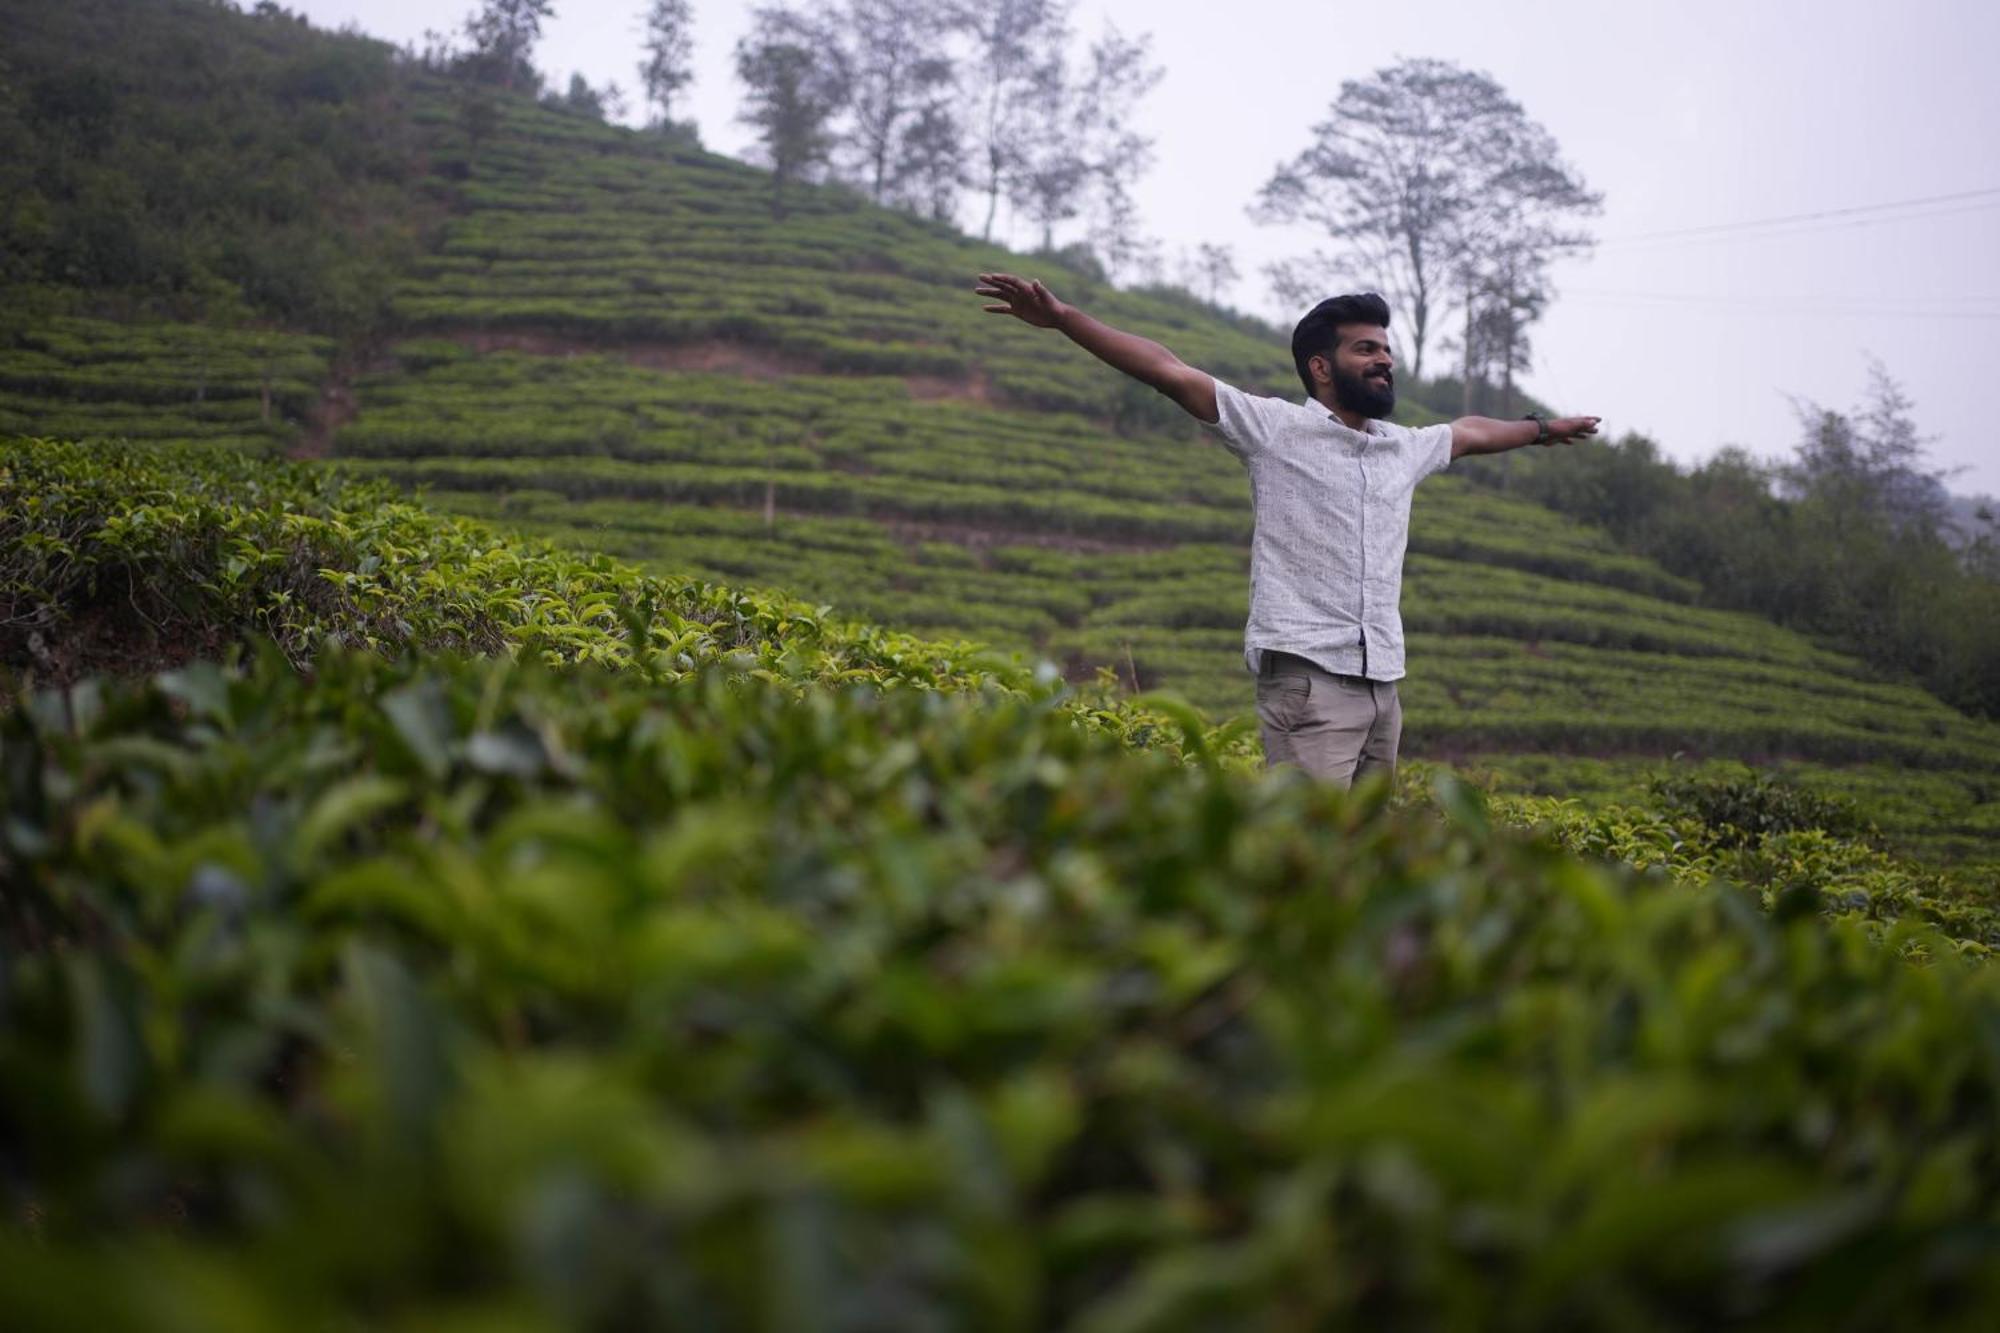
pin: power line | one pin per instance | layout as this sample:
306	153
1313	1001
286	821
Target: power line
1804	229
1879	310
1822	215
1853	300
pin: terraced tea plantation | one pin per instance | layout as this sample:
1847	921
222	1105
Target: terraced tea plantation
571	228
625	351
1097	549
1527	632
79	378
617	345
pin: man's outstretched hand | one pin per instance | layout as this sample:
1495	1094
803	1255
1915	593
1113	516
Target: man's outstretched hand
1029	302
1568	430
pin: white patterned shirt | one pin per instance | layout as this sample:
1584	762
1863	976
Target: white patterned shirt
1331	509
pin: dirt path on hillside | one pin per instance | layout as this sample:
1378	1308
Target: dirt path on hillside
335	408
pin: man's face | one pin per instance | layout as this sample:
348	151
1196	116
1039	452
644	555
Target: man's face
1363	371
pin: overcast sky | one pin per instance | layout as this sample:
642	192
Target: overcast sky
1690	115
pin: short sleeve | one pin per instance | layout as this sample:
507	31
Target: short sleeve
1243	423
1431	451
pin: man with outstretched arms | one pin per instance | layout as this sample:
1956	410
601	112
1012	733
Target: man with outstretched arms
1330	487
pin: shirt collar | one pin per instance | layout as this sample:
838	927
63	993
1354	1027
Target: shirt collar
1371	428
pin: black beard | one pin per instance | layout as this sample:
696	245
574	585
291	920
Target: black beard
1360	395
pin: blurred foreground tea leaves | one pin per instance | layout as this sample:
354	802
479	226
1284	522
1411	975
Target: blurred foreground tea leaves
698	960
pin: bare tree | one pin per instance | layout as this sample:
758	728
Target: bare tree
439	52
669	63
794	71
900	66
1417	168
1081	152
930	162
1210	271
1012	44
1872	460
1300	283
1117	237
1051	162
1498	309
1120	73
503	34
1519	223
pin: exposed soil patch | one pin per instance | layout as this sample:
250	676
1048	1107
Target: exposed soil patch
718	358
111	637
335	408
970	388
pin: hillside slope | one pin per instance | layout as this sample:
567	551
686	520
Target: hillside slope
625	350
615	344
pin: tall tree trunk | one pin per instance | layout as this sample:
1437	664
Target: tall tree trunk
992	198
1420	305
1420	317
1465	389
992	162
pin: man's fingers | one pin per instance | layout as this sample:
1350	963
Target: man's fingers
998	309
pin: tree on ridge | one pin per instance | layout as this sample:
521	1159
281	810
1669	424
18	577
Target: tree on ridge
1418	168
669	63
1080	152
503	35
1013	43
1210	271
795	73
899	66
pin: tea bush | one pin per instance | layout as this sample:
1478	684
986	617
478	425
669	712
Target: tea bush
456	993
701	960
1742	809
76	378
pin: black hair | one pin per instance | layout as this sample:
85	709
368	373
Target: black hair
1318	334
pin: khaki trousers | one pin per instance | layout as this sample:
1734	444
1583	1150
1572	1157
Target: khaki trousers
1339	728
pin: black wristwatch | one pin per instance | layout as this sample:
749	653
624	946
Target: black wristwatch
1541	425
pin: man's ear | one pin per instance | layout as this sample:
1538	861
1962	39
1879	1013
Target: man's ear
1321	368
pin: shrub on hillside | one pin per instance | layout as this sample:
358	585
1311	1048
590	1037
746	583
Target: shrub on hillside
1741	810
172	157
